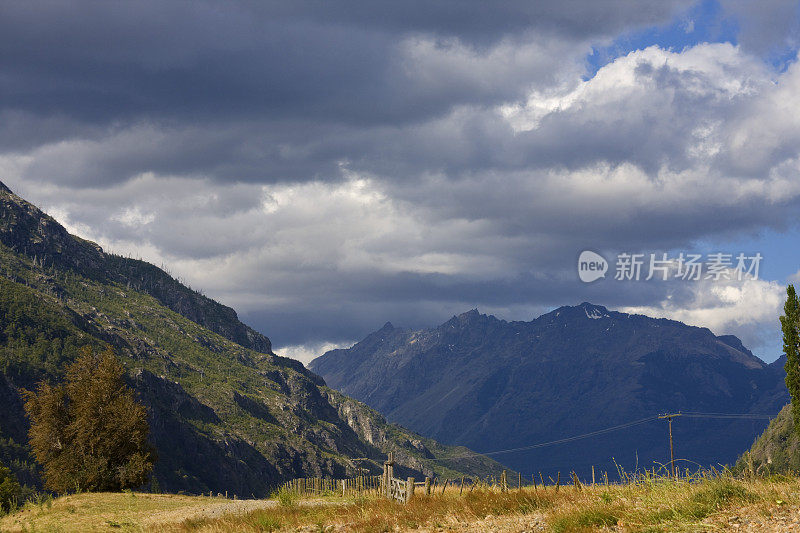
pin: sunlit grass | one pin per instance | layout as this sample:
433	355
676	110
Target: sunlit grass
102	511
648	504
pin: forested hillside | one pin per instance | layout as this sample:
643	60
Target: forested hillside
226	414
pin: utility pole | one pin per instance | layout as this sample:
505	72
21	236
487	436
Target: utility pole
671	453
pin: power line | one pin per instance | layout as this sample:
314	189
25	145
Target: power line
559	441
691	414
748	416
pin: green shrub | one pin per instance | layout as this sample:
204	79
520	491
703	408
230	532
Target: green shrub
11	492
588	518
265	522
719	492
286	498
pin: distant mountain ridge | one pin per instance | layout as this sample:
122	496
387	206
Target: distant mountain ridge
226	414
492	385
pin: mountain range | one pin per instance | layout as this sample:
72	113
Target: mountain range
226	413
494	385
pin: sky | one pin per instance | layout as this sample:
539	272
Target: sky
326	167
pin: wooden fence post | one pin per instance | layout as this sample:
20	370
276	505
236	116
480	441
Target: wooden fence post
558	481
388	468
409	489
427	486
503	482
576	481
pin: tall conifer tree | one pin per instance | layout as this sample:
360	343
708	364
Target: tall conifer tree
790	322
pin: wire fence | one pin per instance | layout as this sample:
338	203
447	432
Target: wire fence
730	416
321	486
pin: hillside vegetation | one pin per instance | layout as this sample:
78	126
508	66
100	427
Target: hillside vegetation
777	450
226	414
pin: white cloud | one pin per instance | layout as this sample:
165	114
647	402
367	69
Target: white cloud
717	71
748	309
306	353
134	217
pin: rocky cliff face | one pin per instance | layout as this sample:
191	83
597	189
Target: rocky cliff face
226	414
414	452
27	231
495	385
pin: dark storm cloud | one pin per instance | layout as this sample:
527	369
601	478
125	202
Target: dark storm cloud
477	21
114	60
324	167
241	81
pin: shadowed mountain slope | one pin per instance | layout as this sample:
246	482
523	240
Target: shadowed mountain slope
494	385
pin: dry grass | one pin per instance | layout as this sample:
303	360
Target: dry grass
113	512
649	505
378	514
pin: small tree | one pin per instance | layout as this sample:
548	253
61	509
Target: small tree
90	433
11	492
790	322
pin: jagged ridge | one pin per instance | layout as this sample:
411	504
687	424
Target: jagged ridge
493	385
25	229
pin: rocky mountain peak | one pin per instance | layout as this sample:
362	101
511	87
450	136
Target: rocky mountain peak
467	319
734	342
27	230
580	311
594	311
492	384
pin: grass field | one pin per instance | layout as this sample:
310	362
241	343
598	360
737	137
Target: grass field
123	512
718	504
